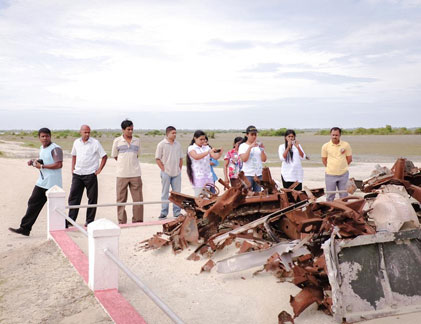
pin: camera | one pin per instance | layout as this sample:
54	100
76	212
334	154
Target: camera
217	151
40	161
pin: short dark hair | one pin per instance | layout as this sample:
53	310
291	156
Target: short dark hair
169	129
336	129
126	123
44	130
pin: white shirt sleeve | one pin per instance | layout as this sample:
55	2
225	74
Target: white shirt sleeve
74	148
304	153
100	150
281	151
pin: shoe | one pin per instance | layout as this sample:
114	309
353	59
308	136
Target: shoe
162	217
19	231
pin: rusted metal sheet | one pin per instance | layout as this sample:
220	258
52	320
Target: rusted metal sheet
375	275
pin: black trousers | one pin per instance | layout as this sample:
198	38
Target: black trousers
35	204
79	183
288	184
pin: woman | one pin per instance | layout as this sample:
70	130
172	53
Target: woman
252	153
232	163
291	155
198	161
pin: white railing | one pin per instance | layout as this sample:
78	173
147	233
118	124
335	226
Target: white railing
103	240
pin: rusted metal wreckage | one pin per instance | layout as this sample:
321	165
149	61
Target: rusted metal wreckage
356	257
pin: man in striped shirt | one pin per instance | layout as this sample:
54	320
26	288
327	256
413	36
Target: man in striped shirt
125	151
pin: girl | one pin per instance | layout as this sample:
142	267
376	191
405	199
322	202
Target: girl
233	163
291	155
198	161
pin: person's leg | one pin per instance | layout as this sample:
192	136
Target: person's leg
121	186
251	180
342	183
137	195
35	204
257	188
165	181
176	186
91	183
75	196
330	181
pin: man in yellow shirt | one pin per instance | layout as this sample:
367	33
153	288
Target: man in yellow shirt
336	156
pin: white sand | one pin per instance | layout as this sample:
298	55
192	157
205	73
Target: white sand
37	282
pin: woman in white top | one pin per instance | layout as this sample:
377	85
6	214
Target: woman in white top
291	155
198	161
252	153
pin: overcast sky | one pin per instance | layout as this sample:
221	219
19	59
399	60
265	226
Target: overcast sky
210	64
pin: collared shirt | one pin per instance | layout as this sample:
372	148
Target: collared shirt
292	171
253	166
87	155
50	177
127	157
170	155
201	168
336	157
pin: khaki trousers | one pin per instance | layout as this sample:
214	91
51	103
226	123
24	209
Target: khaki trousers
135	185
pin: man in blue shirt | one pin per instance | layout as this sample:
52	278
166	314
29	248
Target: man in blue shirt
49	165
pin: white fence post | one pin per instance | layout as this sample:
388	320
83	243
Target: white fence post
55	200
103	272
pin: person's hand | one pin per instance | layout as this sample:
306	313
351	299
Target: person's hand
296	143
30	163
37	164
254	144
290	143
262	147
97	172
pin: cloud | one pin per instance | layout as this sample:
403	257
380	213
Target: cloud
231	45
324	77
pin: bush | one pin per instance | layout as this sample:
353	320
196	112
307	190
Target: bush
154	132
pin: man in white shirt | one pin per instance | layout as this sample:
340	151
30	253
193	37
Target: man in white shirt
86	153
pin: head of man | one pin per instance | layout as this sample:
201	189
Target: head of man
44	135
127	128
85	132
171	133
335	135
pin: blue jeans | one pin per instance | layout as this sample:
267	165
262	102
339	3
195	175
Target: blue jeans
175	183
333	182
254	186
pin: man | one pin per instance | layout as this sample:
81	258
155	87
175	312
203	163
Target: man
49	165
169	158
126	151
86	153
336	156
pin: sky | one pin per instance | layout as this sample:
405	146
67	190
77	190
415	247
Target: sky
210	64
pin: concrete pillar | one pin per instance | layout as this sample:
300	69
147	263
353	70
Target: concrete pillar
103	272
55	200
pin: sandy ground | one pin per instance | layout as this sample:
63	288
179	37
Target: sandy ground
38	285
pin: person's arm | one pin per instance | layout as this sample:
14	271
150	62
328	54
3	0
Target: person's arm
181	164
324	155
349	159
245	156
199	156
114	151
324	160
263	155
160	164
102	165
216	156
57	155
300	151
226	162
73	162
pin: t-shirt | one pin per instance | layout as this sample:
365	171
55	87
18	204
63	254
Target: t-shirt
87	155
336	157
50	177
253	166
292	171
127	162
170	155
234	163
201	168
